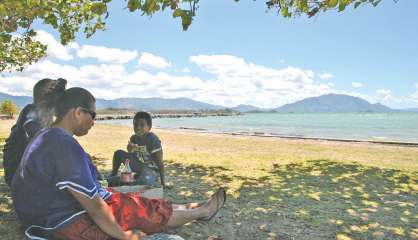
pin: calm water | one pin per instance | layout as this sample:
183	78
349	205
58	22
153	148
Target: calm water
400	127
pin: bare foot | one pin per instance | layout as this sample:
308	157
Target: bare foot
216	202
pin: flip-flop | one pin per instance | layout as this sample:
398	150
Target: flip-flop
219	204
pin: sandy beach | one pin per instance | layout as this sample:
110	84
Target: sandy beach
277	188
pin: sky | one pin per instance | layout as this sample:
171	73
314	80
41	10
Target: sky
239	53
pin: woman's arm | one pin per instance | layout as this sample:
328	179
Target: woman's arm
101	214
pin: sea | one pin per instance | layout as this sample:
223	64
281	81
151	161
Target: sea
384	127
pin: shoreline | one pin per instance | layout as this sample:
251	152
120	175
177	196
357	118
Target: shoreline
277	136
273	135
164	115
264	135
103	117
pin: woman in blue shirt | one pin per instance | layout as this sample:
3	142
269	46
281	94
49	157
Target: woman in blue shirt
56	193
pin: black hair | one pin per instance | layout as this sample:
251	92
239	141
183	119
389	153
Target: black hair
143	115
47	91
72	98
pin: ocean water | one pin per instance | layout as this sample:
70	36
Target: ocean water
398	127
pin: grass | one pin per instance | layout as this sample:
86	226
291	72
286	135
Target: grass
277	189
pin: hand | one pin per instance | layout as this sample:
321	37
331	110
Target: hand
134	235
130	146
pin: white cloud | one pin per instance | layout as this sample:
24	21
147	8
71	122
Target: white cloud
54	48
414	96
385	95
383	92
233	81
236	81
357	84
186	70
106	55
326	76
150	60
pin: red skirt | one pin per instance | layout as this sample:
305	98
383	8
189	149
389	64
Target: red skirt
131	212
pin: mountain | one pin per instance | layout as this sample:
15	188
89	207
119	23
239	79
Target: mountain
326	103
242	108
335	103
20	101
246	108
147	104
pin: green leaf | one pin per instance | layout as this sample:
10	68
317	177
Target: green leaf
186	20
177	13
342	6
376	3
5	38
285	11
99	8
332	3
357	4
134	5
3	11
51	19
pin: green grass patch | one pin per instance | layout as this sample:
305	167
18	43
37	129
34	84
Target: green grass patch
277	189
317	199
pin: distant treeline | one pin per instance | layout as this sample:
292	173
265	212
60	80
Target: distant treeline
117	113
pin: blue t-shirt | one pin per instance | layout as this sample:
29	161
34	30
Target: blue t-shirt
53	162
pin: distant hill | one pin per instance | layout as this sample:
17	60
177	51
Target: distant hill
242	108
333	103
246	108
20	101
326	103
147	104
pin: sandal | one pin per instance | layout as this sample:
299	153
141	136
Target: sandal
220	202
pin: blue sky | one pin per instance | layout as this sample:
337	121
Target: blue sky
240	53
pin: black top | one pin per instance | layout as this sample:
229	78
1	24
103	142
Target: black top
27	125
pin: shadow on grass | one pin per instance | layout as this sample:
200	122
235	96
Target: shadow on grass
313	200
9	229
316	199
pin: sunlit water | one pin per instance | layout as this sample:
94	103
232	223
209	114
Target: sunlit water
399	127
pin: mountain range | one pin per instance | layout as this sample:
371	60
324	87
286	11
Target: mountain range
336	103
333	103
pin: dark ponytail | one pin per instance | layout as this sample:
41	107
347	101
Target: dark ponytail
47	91
73	98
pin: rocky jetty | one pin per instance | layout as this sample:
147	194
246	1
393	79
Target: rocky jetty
169	115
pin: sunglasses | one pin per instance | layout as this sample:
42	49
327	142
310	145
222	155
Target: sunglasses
92	113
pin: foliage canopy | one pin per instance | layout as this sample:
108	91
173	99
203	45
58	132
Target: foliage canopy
18	46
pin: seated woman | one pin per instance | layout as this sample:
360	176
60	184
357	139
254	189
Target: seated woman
56	194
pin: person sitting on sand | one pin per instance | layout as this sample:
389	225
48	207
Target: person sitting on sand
144	152
32	118
56	194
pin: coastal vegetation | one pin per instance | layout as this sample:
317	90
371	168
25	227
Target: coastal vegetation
277	188
8	108
116	113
